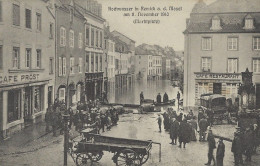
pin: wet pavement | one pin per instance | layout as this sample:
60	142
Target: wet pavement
48	150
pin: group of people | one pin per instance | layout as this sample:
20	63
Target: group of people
85	115
165	98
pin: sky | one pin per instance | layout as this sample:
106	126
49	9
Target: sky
169	32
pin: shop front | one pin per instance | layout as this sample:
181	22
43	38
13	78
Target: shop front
21	102
93	85
226	84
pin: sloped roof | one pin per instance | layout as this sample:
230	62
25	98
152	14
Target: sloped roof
116	33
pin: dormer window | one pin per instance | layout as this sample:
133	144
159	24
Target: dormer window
249	22
215	24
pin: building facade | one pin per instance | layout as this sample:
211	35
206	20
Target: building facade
27	59
157	67
166	68
229	43
70	53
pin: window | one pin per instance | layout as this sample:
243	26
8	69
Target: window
101	39
205	64
256	65
232	65
14	104
100	62
97	38
1	57
216	23
62	36
80	40
62	94
39	21
28	18
80	65
231	90
28	53
71	38
72	65
206	43
1	12
96	63
232	43
38	58
256	43
203	88
51	66
92	61
64	66
87	61
16	57
249	23
16	15
51	31
92	37
60	66
87	36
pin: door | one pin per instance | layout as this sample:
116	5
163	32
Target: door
27	104
49	96
257	95
217	88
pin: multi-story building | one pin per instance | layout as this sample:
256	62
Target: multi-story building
109	60
27	59
70	52
229	42
94	45
166	68
157	67
143	67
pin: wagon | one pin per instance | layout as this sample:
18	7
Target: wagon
128	152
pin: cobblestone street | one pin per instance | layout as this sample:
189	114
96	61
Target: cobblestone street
48	150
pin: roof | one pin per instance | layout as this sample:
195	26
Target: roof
116	33
227	6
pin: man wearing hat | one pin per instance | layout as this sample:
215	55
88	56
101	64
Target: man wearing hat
220	152
237	148
212	146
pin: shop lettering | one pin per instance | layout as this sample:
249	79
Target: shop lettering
18	78
217	76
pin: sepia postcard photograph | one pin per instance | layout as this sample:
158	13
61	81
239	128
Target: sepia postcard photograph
129	82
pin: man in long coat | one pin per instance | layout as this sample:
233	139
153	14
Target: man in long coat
174	130
184	133
220	152
165	98
211	146
194	127
203	125
158	98
237	148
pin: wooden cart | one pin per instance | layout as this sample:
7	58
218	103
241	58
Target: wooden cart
129	152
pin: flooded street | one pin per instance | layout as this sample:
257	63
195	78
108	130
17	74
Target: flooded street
150	88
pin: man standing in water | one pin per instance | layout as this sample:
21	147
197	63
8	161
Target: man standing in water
159	121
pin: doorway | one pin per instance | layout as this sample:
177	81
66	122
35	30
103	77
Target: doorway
217	88
50	88
27	105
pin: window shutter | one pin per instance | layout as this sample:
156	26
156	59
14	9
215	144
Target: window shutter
64	66
60	66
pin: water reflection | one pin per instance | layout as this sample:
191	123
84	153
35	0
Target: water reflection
150	88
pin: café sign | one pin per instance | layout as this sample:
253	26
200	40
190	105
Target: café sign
23	78
227	76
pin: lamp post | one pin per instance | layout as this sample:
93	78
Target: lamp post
66	119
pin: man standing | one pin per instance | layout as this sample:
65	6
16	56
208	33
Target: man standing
48	118
203	125
184	133
220	152
141	97
159	121
159	98
174	130
165	98
212	146
237	148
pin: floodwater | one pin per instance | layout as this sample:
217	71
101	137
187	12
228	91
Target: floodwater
150	88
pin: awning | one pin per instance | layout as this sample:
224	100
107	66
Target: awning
22	85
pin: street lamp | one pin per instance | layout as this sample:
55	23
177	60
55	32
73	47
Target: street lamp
66	118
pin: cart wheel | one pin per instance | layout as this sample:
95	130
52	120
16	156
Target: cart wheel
128	157
144	157
81	159
95	156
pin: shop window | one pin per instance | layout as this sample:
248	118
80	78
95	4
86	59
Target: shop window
87	61
13	105
16	15
256	43
256	65
28	18
206	43
232	65
39	21
231	90
232	43
206	64
37	99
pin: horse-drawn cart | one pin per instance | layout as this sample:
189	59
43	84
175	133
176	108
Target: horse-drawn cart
129	152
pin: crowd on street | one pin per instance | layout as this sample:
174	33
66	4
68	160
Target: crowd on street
85	115
184	128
